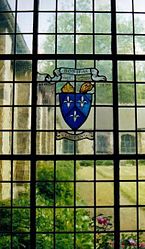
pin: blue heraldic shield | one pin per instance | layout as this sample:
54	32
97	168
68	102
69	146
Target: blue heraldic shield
75	108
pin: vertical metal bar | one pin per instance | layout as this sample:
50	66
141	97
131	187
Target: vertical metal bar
136	134
33	128
75	147
94	132
54	220
115	126
13	119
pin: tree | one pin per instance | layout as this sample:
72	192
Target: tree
83	42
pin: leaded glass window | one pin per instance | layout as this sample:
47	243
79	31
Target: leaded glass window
72	126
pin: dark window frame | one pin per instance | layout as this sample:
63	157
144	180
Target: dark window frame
116	157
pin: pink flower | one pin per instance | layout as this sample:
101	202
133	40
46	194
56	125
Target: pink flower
123	244
102	220
132	242
142	245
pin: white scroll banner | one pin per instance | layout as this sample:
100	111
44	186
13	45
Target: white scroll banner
75	137
57	74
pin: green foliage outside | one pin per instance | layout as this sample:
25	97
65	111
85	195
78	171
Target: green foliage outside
64	217
84	45
64	197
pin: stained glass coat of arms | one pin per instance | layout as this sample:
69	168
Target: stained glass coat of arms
75	97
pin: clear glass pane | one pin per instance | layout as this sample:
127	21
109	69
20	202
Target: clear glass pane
122	5
102	23
103	44
139	5
124	23
124	44
126	118
104	5
82	19
84	44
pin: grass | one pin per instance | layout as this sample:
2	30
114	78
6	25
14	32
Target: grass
105	192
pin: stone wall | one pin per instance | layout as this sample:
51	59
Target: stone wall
22	119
